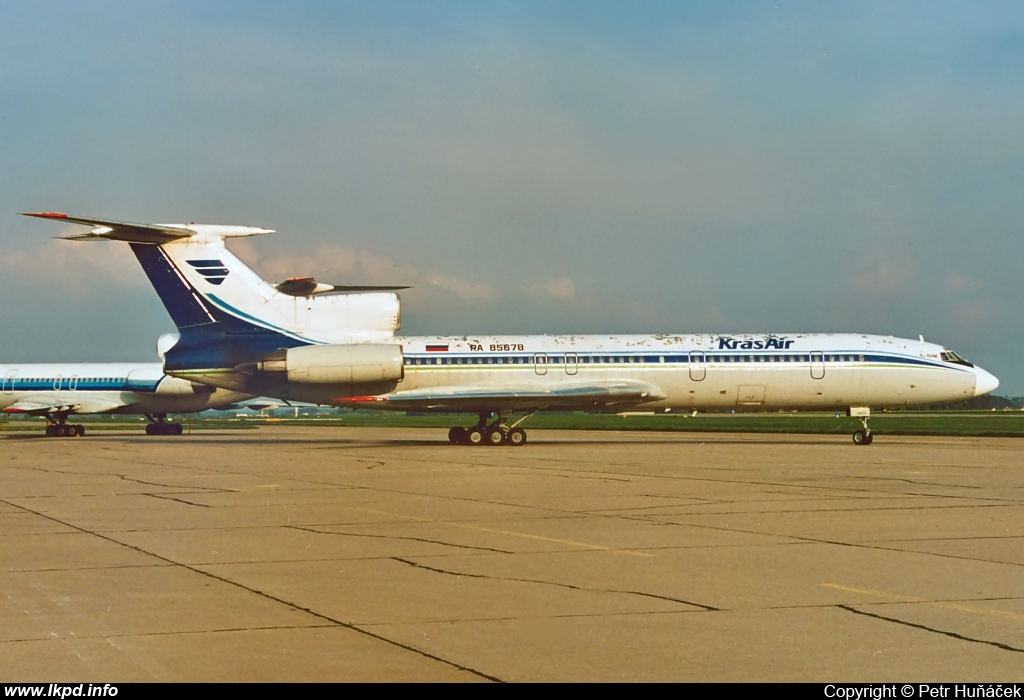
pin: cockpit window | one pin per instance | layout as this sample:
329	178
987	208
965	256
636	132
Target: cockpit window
950	356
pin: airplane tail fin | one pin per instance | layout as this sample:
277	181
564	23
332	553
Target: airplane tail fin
214	297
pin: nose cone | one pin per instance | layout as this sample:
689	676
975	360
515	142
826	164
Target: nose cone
984	382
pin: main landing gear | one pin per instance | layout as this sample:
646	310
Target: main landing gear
158	425
497	433
58	427
862	436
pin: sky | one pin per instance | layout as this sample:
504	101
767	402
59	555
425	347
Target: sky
529	167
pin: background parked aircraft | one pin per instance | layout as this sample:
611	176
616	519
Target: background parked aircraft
57	391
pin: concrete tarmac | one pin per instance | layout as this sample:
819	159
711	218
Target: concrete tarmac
360	554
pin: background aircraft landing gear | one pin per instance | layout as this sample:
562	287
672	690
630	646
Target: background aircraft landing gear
159	426
60	428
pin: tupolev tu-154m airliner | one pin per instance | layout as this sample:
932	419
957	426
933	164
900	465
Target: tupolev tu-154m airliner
333	344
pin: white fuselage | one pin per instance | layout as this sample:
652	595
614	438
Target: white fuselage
123	388
742	371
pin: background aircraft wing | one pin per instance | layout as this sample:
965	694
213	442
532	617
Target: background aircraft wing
42	405
119	230
584	396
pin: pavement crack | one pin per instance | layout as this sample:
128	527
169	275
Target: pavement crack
702	606
692	512
838	543
596	478
947	633
203	489
552	583
179	500
915	482
264	594
401	537
182	633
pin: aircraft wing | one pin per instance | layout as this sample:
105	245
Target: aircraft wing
119	230
43	405
583	396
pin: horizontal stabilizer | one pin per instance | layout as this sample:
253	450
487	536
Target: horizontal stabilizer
145	233
307	287
119	230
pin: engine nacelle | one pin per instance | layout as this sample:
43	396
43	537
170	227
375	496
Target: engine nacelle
338	364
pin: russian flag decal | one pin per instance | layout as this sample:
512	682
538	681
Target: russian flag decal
437	347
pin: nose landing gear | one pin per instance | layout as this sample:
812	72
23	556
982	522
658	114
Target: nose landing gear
864	435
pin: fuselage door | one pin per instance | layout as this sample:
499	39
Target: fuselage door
57	381
817	365
750	394
572	363
540	363
698	366
9	381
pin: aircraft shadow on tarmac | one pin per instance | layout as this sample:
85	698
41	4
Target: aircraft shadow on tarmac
221	439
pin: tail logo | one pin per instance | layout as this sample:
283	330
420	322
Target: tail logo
213	270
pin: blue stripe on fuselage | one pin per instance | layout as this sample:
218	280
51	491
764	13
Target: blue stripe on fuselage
724	359
51	384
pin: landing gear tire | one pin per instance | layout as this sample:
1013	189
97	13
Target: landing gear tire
64	430
457	435
862	437
495	436
516	437
474	436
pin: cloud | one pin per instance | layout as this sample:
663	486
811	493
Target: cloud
561	288
716	317
958	282
887	276
465	290
337	264
969	314
331	263
71	267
